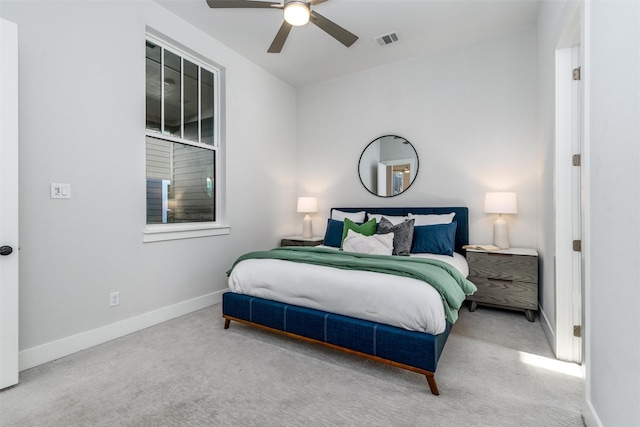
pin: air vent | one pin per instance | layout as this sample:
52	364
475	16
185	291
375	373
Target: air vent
386	39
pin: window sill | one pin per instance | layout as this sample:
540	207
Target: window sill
163	232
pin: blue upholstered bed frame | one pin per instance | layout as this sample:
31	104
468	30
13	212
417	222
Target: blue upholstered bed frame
416	351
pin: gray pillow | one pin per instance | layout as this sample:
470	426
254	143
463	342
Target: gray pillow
402	235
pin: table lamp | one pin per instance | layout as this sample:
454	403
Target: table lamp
500	203
307	205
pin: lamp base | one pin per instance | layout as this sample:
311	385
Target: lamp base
306	227
500	233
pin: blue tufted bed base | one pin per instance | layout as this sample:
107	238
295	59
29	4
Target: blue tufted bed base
415	351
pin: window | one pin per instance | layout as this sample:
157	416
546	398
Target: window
182	137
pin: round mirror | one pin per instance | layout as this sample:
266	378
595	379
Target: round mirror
388	166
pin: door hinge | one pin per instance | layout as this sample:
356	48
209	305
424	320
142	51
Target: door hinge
576	160
577	331
576	74
577	245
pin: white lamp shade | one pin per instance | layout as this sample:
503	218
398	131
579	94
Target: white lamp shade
307	204
500	203
296	13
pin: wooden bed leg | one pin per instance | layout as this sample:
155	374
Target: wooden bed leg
531	315
226	323
432	384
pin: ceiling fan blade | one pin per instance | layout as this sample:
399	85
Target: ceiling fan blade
333	29
281	37
242	4
315	2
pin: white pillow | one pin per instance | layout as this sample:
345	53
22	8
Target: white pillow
395	220
378	244
432	219
353	216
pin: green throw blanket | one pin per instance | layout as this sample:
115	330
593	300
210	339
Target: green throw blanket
447	280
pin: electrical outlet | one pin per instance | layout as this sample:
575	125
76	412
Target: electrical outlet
114	299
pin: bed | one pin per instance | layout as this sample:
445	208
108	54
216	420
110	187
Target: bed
312	300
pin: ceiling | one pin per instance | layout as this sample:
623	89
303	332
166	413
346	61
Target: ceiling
310	55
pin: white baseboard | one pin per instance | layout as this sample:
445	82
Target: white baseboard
589	415
63	347
548	330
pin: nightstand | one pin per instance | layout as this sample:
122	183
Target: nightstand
301	241
506	278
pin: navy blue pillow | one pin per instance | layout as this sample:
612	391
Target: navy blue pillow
434	239
333	235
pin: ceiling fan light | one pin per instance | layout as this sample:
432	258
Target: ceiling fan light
296	13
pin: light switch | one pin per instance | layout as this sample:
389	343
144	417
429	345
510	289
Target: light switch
60	191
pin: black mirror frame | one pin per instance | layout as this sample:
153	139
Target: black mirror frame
412	181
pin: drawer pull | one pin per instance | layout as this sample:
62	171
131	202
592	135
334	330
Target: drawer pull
495	279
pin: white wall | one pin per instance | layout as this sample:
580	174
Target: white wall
612	86
469	113
82	119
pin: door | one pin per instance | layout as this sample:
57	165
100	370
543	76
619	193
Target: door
568	205
384	180
576	204
8	204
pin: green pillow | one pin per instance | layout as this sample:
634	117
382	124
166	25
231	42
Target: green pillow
366	229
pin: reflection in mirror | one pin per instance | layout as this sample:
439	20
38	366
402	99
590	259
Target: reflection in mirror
388	166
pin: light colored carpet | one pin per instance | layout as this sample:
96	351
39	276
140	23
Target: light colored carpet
192	372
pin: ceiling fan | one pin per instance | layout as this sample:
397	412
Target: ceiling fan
296	13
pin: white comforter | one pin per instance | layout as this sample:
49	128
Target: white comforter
398	301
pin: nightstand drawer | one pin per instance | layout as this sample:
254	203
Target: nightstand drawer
505	293
301	241
503	266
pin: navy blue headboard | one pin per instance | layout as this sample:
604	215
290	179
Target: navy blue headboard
462	218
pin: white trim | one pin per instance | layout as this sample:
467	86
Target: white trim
588	412
63	347
163	232
589	415
179	49
160	135
570	35
548	329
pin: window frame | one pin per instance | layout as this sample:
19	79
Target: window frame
173	231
